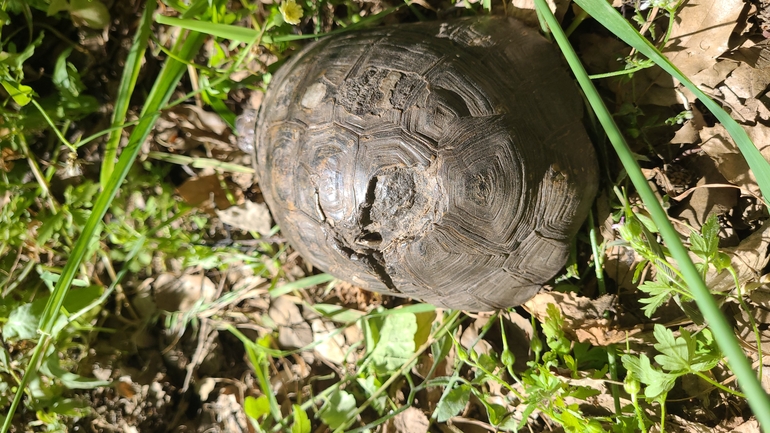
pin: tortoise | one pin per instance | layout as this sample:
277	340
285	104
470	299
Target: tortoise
445	162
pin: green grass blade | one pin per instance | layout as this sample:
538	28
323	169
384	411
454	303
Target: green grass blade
611	19
127	84
226	31
241	34
196	162
302	283
757	398
159	95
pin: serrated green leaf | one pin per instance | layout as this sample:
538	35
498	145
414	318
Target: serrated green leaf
698	245
453	402
583	392
338	410
396	343
675	352
710	233
659	292
301	421
50	224
657	382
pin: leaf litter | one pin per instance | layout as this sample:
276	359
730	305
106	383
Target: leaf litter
307	345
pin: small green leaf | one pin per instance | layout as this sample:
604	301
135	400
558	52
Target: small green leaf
256	407
338	410
675	352
370	385
50	224
657	382
20	93
659	291
89	13
495	412
301	421
453	402
721	261
396	343
65	76
57	6
23	320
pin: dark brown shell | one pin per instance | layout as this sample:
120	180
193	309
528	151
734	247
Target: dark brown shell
440	161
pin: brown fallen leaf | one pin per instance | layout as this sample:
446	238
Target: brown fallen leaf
181	293
249	216
470	336
293	331
748	82
715	74
750	426
412	420
584	319
701	33
720	147
207	191
689	133
331	344
705	198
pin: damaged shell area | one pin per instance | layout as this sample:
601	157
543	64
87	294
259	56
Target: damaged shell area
443	162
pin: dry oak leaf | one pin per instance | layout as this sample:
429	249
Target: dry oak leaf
249	216
720	147
411	420
701	33
172	293
583	317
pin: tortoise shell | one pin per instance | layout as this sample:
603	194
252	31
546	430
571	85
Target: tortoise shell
440	161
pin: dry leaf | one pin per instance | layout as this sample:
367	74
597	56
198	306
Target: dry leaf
293	331
748	259
750	426
411	420
332	345
701	33
721	148
583	317
470	336
689	133
747	82
198	190
249	217
172	293
715	74
704	201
